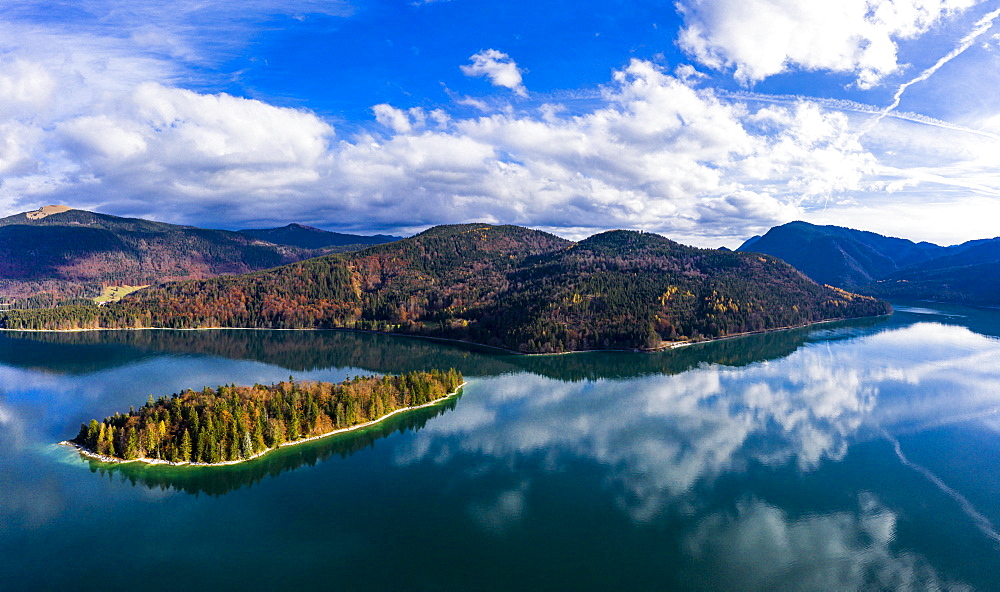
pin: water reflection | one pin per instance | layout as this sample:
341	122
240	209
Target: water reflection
216	481
760	463
657	437
761	547
88	352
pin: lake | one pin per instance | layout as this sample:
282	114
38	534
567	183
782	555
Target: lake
850	455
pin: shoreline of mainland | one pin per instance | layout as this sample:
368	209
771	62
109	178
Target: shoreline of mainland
663	347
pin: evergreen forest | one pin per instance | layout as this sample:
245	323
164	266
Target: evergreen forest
234	423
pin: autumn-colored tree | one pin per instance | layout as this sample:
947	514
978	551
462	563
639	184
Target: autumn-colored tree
238	422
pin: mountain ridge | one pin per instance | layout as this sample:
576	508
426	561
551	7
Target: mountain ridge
882	266
308	237
72	253
504	286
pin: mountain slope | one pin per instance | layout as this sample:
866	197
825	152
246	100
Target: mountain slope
73	252
972	284
623	289
839	256
307	237
887	267
503	286
969	273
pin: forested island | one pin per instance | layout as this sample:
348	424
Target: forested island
504	286
237	423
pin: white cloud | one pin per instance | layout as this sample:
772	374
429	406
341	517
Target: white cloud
404	122
90	121
499	68
101	136
217	130
186	30
23	87
761	38
395	119
87	116
656	154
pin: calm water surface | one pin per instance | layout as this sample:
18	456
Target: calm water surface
859	455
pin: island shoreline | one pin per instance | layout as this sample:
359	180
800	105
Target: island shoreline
156	461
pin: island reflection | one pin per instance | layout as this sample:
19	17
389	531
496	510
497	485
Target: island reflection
217	481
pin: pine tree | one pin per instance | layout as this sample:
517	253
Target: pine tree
93	432
112	450
131	444
185	451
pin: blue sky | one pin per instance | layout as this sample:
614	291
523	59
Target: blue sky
705	120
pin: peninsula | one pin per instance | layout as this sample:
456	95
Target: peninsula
232	424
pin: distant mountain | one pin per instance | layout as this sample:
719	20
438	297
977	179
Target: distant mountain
72	253
967	273
503	286
307	237
970	284
839	256
887	267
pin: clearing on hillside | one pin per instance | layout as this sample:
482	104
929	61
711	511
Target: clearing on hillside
116	293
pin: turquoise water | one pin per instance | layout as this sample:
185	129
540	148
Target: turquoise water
842	456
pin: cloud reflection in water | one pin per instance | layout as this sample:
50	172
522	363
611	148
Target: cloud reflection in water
657	437
761	547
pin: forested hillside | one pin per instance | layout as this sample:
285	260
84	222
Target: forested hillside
977	284
504	286
969	273
73	253
838	256
234	423
887	267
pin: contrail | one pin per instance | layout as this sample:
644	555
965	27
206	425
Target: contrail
984	24
981	521
854	107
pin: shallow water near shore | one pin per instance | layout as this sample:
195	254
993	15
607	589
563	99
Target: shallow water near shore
841	456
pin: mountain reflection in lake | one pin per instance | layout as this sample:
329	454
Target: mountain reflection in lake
841	456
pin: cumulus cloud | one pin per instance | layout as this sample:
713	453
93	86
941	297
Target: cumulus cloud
88	120
499	68
118	125
657	153
761	38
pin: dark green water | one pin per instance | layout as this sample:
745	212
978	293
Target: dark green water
850	456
